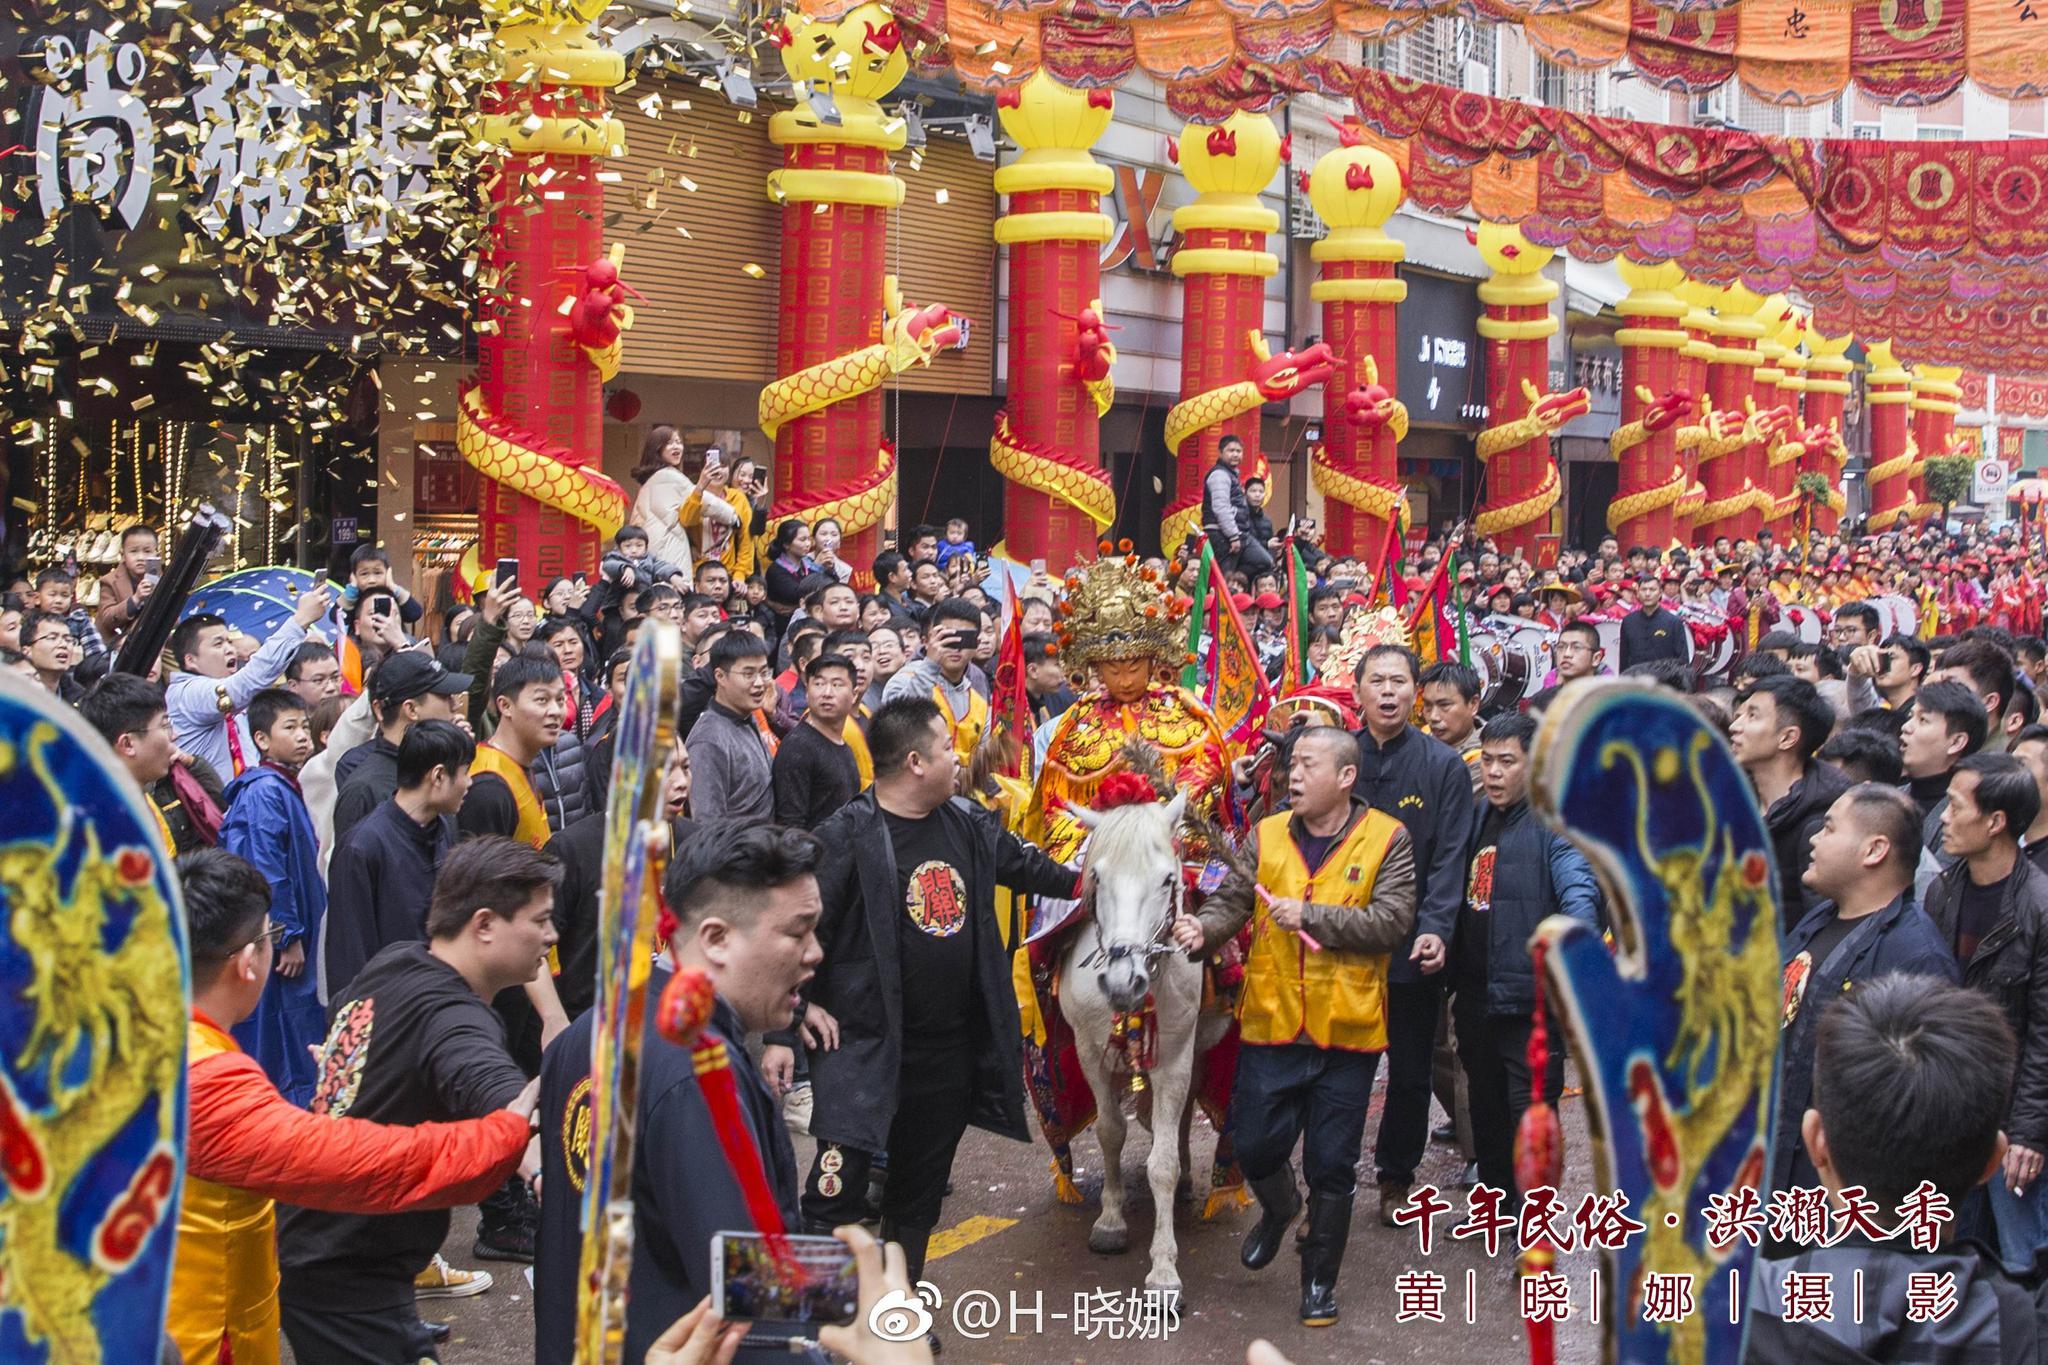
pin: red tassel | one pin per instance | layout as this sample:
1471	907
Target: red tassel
721	1096
684	1009
1539	1158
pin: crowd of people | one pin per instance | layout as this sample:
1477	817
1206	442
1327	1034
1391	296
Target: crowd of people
391	850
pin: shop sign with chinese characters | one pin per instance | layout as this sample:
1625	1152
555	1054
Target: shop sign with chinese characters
237	166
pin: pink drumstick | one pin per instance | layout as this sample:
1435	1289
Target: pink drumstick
1306	936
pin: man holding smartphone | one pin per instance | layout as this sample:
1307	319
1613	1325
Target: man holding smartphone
742	907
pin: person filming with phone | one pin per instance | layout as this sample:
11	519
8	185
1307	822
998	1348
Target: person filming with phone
742	906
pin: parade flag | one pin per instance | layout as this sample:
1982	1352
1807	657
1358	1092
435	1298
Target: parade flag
1429	624
1232	685
1008	697
1294	669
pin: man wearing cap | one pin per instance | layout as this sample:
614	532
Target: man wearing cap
1650	632
408	687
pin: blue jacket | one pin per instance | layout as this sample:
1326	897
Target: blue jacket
267	823
1900	938
1536	874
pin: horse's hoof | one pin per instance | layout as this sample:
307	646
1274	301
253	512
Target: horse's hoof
1171	1299
1108	1241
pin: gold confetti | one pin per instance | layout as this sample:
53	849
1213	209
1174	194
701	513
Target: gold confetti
756	271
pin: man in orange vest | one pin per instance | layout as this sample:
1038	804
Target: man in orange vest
530	702
1335	896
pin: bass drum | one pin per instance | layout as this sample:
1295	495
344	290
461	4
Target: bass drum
1511	656
1896	615
1712	662
1805	622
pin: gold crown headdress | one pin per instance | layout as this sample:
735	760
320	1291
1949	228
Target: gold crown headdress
1118	610
1364	632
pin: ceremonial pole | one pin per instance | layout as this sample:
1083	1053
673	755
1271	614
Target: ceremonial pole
1937	398
825	412
1522	483
1355	189
1047	438
531	418
1827	396
1652	476
1889	392
1223	267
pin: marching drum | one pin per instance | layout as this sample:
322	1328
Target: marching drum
1713	662
1896	615
1805	622
1511	656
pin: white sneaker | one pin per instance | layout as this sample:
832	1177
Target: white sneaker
796	1110
443	1281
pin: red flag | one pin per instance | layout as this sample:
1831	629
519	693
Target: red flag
1237	692
1008	697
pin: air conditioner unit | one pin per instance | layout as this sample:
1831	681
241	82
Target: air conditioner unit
1478	78
1302	224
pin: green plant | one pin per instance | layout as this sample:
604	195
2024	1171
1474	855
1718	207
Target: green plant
1948	480
1813	486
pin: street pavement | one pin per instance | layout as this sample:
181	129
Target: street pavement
1005	1235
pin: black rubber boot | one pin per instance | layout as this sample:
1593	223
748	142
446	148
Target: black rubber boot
1278	1204
1322	1255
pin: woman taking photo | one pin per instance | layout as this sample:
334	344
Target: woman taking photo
825	538
789	564
664	488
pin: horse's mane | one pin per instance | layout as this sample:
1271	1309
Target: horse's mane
1129	834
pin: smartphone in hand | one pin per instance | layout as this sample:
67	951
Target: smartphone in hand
508	573
818	1284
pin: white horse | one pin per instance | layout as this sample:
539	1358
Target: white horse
1121	955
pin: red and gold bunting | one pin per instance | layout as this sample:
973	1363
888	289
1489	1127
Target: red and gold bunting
1786	52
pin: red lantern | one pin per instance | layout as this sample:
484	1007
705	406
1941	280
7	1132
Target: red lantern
622	406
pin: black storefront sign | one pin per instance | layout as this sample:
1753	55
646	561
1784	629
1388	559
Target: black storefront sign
1443	363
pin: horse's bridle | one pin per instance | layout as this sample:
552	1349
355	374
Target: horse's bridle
1158	945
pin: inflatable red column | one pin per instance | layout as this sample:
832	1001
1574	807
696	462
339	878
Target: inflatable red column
1355	190
825	412
1047	438
1522	484
1223	266
1793	522
1735	502
1778	395
1889	392
531	419
1652	475
1694	436
1827	396
1937	398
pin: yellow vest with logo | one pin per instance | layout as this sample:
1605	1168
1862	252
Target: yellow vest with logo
533	817
224	1273
1336	998
968	729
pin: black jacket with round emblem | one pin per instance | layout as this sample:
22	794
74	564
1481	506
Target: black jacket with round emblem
860	982
683	1192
